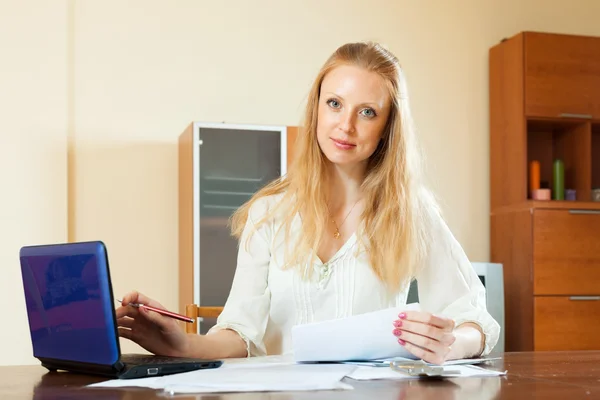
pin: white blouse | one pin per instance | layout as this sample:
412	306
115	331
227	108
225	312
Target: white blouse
266	301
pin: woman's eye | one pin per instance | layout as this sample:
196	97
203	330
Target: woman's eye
368	112
333	103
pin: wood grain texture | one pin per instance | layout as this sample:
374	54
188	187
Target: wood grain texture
568	140
512	247
195	312
562	74
191	311
548	205
209	312
540	146
543	375
186	218
565	324
566	255
544	105
292	135
573	147
508	139
596	155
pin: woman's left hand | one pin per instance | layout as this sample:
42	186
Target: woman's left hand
427	336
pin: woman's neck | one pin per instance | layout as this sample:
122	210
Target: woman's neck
345	185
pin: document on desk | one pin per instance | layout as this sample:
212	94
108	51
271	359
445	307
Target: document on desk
360	337
258	375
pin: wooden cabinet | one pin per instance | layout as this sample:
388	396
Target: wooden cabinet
566	323
221	166
566	252
551	259
545	105
562	75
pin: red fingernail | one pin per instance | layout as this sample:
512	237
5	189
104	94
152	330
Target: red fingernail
402	315
397	332
397	324
402	342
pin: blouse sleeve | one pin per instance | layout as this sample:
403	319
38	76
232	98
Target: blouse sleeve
449	286
246	310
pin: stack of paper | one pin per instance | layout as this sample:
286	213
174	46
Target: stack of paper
279	373
258	374
360	337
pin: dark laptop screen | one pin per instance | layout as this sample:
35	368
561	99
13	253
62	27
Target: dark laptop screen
69	302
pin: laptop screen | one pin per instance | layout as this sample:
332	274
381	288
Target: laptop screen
69	302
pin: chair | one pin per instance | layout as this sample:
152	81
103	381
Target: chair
195	312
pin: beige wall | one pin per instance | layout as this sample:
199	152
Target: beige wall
140	71
33	148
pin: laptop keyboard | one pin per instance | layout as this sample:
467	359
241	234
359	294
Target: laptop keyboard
140	359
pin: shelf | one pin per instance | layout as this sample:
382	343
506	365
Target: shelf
596	155
568	140
549	205
565	205
214	222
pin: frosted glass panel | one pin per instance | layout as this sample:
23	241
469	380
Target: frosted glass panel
234	164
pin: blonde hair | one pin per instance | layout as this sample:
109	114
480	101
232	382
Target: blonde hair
395	228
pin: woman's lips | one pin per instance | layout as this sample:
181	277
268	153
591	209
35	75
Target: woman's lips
342	144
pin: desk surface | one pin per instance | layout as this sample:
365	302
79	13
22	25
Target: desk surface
547	375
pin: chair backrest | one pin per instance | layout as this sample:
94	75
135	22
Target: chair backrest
195	312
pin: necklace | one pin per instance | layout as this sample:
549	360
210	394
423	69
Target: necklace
337	234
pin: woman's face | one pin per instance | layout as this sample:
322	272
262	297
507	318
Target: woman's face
354	106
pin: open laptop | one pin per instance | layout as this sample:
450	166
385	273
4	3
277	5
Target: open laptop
71	311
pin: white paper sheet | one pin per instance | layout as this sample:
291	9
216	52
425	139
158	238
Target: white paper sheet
372	373
278	373
361	337
295	377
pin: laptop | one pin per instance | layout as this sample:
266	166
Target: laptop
71	312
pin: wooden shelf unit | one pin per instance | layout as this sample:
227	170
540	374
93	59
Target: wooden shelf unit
545	105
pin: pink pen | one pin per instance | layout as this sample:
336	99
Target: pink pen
162	312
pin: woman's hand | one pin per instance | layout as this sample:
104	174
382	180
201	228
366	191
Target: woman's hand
154	332
428	337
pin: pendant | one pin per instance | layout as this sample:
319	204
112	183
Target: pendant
336	235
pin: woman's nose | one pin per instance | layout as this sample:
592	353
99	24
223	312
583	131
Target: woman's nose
347	122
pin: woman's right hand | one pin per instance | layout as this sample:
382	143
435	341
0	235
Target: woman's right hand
154	332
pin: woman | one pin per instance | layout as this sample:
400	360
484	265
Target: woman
343	233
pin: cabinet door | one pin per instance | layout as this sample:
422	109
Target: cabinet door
562	75
566	323
234	163
566	252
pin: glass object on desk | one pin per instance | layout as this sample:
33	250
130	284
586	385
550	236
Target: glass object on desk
234	164
421	368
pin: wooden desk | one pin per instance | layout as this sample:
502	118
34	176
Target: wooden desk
560	375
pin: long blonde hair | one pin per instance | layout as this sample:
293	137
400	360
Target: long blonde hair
395	217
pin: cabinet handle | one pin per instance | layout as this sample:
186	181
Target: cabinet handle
584	298
593	212
569	115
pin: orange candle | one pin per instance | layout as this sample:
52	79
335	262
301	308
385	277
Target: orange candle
534	176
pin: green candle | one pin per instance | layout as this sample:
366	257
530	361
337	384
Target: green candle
559	180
